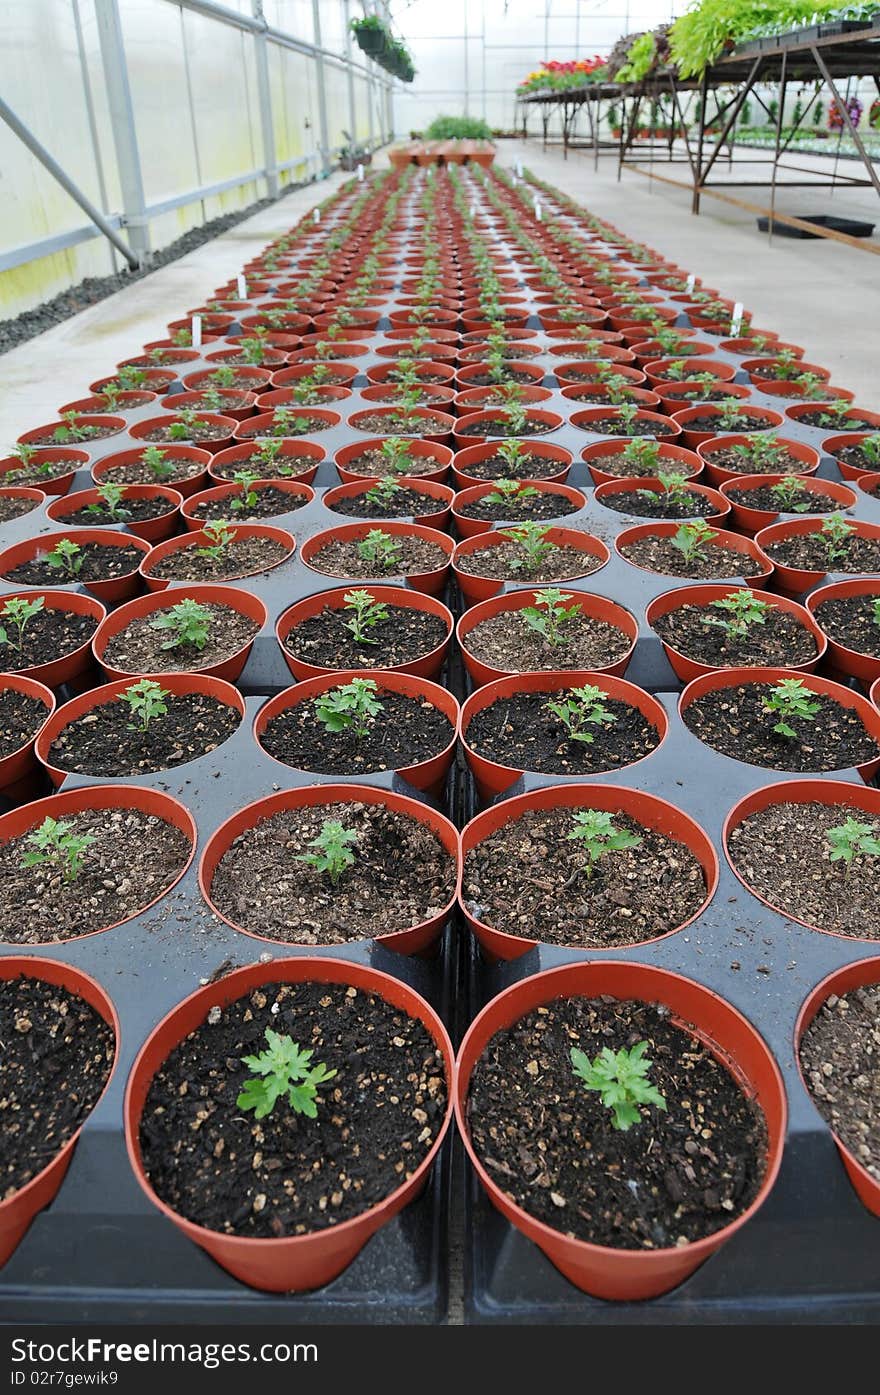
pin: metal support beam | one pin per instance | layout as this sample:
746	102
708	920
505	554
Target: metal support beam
349	75
323	128
843	108
52	165
264	94
122	121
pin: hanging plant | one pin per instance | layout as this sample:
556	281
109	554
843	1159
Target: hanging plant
372	36
836	120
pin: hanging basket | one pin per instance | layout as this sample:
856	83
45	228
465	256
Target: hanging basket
372	40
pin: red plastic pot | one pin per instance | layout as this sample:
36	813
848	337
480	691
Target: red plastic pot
596	395
855	415
477	399
718	474
430	583
747	546
832	444
704	594
760	419
199	538
794	580
257	379
441	423
596	607
231	596
550	421
720	679
95	405
480	588
425	666
424	368
657	370
420	449
141	430
147	801
415	938
427	775
338	374
33	496
471	527
627	486
649	350
666	428
545	450
840	657
190	484
61	483
492	778
294	1262
753	366
439	494
752	521
674	396
18	1211
684	462
286	397
238	457
230	489
647	810
797	392
468	372
18	767
117	589
238	403
261	425
156	380
176	683
151	530
103	419
631	1274
864	798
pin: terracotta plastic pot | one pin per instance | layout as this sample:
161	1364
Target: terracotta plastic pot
596	607
415	938
832	444
627	486
112	424
150	530
720	679
704	594
795	580
658	370
112	591
18	1211
849	661
17	769
419	450
338	374
753	367
681	461
47	455
865	798
797	392
238	457
752	521
326	393
295	1262
747	546
441	423
649	350
476	399
439	495
760	419
141	430
147	801
424	368
33	497
471	527
190	484
199	538
599	1270
256	378
465	375
95	405
238	403
427	775
667	428
177	684
545	450
492	778
156	380
647	810
550	421
595	395
231	596
480	588
230	489
260	426
856	415
431	583
718	475
425	666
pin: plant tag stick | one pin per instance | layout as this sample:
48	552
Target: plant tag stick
360	174
537	210
736	321
316	215
242	288
691	282
197	331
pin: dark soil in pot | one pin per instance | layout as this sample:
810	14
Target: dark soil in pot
132	510
509	561
505	642
850	621
754	421
679	1174
11	508
35	476
649	503
385	424
714	563
403	503
240	557
138	472
839	1056
106	741
806	501
754	462
526	467
499	426
780	642
783	852
132	857
736	722
138	648
90	433
407	731
99	563
57	1055
635	465
407	634
281	467
519	731
21	717
401	876
287	1174
850	455
697	394
373	464
530	879
616	426
269	503
412	557
809	551
198	431
827	421
519	508
424	395
156	357
49	635
515	375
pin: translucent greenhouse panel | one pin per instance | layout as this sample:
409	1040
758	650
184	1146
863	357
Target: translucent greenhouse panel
294	109
295	16
224	107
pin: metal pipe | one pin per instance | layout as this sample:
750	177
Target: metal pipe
267	125
128	160
323	128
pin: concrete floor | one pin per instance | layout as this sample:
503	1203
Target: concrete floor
820	294
57	367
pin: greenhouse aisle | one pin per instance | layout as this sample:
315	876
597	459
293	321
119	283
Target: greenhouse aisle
822	295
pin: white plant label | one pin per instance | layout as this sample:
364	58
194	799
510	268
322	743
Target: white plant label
196	331
691	282
316	215
537	210
360	174
736	321
519	168
242	288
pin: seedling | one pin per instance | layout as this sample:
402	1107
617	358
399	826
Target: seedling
109	396
580	709
268	455
66	556
742	610
157	464
284	423
223	377
380	550
731	414
187	623
811	385
128	379
621	1078
627	413
14	619
760	453
396	455
790	495
73	430
870	448
333	853
364	613
182	338
875	606
187	424
253	349
55	845
674	490
506	491
515	418
534	544
851	839
349	707
837	536
549	617
146	700
597	835
790	700
109	503
383	493
513	454
691	539
284	1069
219	536
643	455
213	399
248	498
